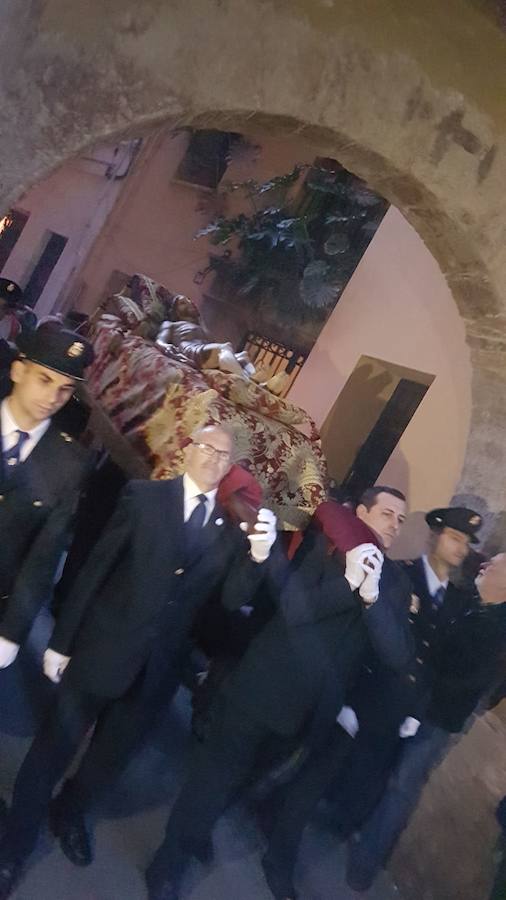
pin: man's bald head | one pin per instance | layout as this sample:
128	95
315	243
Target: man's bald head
491	580
200	433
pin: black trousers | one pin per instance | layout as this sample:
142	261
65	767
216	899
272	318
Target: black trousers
364	776
218	768
121	725
301	797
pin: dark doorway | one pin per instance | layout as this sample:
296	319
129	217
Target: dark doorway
43	269
368	418
384	437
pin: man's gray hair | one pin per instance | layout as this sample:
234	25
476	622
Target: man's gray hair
203	429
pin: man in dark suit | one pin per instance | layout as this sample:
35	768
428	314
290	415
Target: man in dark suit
382	511
120	638
460	637
41	474
292	680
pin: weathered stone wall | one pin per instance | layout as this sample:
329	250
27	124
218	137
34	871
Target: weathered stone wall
408	94
447	853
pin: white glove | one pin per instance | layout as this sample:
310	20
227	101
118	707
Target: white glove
369	589
264	535
409	727
8	652
355	570
54	665
347	719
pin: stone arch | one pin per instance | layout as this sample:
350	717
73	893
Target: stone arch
419	121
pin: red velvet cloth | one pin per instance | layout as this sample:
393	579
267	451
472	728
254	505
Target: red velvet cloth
241	495
341	526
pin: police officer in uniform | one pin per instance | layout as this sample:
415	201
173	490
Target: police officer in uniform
11	296
41	474
453	675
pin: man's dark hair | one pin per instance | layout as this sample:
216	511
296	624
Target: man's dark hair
370	495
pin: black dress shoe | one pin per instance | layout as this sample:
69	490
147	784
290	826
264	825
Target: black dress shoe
360	872
280	885
9	874
73	835
166	891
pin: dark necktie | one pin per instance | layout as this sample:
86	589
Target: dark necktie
12	456
194	525
438	597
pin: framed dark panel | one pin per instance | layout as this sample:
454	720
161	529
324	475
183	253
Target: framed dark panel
44	267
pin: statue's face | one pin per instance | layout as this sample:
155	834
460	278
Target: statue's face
185	310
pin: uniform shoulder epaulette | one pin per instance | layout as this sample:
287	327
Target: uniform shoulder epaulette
75	451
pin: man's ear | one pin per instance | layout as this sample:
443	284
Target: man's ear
17	370
186	450
361	511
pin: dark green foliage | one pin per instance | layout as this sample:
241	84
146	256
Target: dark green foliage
302	240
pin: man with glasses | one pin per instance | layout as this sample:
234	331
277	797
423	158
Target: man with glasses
291	683
121	637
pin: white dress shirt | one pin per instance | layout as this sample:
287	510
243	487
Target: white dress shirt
10	430
433	582
191	494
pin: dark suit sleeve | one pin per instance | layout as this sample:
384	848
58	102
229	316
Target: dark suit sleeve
387	622
245	576
316	587
98	565
34	582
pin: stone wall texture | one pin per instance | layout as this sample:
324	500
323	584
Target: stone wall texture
408	94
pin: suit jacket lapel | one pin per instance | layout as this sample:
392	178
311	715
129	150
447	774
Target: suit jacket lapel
171	516
35	469
2	461
419	581
40	466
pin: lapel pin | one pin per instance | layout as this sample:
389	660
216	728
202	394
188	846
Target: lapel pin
218	522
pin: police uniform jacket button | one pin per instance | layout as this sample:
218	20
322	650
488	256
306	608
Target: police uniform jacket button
37	502
179	572
419	660
2	497
412	677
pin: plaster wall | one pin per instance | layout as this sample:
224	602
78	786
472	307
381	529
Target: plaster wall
397	307
152	227
73	201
